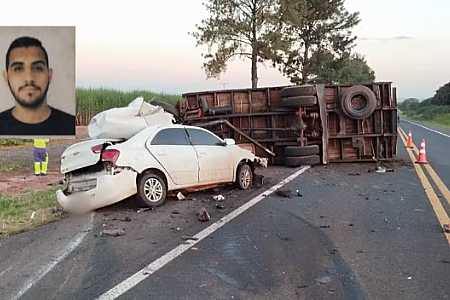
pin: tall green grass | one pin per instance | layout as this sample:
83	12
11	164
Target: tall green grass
102	99
91	101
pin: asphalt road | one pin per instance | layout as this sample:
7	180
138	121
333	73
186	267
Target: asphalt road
437	147
351	233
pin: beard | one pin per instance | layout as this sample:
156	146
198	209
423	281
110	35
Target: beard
33	104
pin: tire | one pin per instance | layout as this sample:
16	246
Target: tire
296	161
298	101
167	107
355	111
301	151
244	176
146	196
298	90
220	110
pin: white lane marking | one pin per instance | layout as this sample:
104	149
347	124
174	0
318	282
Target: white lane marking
72	245
424	127
157	264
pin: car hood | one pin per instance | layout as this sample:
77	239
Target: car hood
80	155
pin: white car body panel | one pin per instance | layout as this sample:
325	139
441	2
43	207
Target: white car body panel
109	190
80	155
184	166
215	164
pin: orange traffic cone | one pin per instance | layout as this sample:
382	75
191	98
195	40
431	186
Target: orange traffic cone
422	154
409	141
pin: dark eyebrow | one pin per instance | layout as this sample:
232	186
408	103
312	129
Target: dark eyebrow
16	63
38	62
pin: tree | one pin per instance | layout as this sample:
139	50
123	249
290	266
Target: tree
442	96
313	30
236	28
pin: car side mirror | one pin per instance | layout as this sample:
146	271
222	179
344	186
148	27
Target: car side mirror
229	142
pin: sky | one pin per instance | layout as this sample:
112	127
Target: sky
146	44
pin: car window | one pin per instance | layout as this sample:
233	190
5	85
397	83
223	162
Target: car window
171	136
200	137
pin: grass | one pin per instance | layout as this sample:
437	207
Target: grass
11	166
14	142
28	210
92	101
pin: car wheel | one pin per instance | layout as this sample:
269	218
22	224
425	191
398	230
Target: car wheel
302	90
152	190
301	151
244	177
298	101
296	161
358	102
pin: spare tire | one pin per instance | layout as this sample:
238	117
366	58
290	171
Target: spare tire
301	151
298	101
296	161
298	90
358	102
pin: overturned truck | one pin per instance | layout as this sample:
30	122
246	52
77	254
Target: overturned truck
306	124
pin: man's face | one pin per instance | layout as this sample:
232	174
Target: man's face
28	76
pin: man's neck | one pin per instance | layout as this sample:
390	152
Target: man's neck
31	115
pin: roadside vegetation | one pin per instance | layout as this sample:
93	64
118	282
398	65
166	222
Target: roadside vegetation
26	211
434	111
91	101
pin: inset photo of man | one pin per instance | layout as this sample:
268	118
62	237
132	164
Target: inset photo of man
38	90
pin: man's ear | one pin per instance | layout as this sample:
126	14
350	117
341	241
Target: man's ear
50	75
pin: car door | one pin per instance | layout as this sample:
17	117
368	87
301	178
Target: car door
171	147
214	159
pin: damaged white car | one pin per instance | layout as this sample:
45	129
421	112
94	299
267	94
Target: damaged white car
156	160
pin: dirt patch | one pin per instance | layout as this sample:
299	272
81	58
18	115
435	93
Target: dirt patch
21	178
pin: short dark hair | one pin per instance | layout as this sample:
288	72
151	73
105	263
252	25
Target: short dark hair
25	42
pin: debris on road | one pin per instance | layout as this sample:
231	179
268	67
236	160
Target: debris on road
445	261
446	228
180	196
189	238
113	232
144	209
220	206
203	215
175	212
354	174
325	226
126	219
284	193
258	180
298	193
324	280
219	197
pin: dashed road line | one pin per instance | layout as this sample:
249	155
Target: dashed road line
439	210
150	269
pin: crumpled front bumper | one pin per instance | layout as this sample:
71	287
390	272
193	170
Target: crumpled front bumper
109	190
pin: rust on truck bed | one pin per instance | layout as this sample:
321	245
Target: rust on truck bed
336	123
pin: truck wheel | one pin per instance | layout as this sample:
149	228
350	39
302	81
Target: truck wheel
358	102
298	90
296	161
298	101
244	176
152	190
301	151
